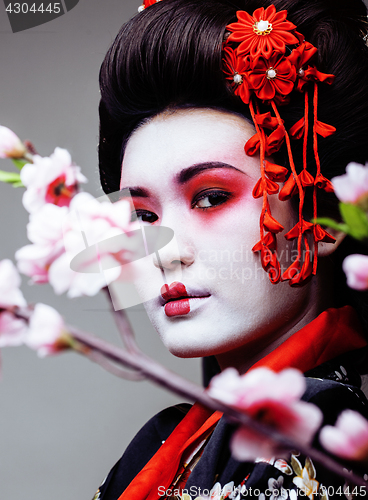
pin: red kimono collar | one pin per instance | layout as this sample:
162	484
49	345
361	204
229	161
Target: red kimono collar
332	333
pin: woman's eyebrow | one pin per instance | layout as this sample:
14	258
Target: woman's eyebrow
137	192
188	173
182	177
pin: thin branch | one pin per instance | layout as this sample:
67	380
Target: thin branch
101	360
124	327
149	368
177	384
126	332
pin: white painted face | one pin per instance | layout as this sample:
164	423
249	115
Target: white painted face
187	170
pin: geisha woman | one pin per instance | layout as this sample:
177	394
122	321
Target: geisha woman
225	120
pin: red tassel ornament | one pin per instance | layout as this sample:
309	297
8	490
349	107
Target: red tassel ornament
266	59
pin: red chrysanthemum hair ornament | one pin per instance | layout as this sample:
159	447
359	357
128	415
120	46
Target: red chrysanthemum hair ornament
147	3
266	59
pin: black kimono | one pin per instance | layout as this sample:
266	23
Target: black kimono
332	386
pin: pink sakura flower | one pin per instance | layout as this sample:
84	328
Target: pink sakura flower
353	185
355	267
10	294
12	330
95	241
71	246
269	398
45	231
348	438
10	144
47	333
51	179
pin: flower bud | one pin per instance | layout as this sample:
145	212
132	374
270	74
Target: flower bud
355	267
10	144
352	187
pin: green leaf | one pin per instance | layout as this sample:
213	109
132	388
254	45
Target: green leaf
326	221
9	177
19	163
355	219
18	184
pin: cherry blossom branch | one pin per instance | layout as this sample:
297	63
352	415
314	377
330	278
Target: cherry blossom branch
182	387
100	359
124	327
49	199
110	357
25	313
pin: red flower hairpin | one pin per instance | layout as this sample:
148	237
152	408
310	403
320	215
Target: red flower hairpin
147	3
265	59
265	32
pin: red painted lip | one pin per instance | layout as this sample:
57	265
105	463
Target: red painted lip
176	298
174	291
179	307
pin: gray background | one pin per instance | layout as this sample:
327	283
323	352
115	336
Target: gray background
64	421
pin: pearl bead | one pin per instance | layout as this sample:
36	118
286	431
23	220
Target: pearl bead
262	28
238	78
271	73
262	25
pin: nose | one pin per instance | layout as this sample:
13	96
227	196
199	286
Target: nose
175	255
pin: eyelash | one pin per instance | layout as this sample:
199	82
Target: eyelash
138	213
201	196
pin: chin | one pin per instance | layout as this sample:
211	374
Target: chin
184	353
190	346
194	336
184	349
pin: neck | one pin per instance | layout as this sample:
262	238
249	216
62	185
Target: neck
259	345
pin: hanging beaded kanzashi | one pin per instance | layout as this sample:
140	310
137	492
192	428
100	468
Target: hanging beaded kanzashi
265	59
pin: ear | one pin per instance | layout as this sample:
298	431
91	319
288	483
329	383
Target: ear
326	249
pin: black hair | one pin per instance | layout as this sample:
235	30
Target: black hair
169	56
